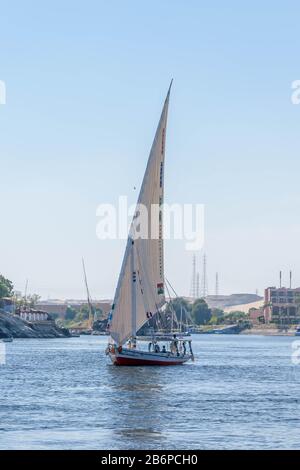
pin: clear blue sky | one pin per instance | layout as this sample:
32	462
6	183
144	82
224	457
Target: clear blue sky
85	85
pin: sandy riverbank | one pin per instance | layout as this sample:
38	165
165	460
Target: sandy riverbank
266	331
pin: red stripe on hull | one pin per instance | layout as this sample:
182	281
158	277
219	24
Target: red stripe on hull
127	361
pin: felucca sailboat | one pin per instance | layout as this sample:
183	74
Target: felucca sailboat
140	290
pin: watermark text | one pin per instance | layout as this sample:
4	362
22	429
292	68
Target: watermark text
2	354
158	221
295	96
2	92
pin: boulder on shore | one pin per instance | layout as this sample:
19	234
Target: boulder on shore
14	326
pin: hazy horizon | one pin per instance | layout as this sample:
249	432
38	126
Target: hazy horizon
85	85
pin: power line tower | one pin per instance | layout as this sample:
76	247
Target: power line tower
198	286
204	284
217	284
193	292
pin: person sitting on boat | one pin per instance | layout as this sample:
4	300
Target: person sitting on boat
164	349
156	348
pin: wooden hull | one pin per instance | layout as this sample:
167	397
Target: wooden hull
142	358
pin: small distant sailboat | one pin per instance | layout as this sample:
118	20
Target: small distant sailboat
140	290
92	314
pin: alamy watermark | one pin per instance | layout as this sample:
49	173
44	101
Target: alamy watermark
2	354
296	353
2	92
295	96
159	221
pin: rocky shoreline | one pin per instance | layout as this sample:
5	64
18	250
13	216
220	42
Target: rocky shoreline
15	327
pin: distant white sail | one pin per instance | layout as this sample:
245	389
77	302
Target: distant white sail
140	288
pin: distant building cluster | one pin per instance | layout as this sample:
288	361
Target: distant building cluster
282	305
44	310
59	307
26	313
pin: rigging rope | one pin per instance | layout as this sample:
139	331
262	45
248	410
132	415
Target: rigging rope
187	313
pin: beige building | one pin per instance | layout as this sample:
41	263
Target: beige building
282	305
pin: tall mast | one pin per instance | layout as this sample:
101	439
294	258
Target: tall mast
217	284
133	292
25	297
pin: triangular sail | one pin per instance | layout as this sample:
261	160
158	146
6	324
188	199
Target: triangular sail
140	288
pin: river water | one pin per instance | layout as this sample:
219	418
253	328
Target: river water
242	392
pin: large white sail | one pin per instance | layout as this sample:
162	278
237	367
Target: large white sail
140	288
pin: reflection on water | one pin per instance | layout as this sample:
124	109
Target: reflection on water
136	393
241	392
